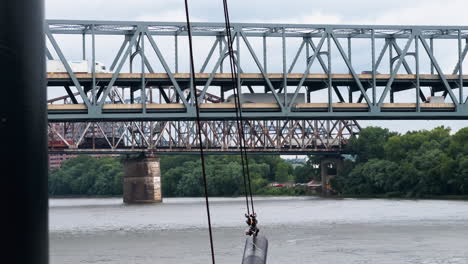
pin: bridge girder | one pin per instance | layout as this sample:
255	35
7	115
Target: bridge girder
176	137
400	59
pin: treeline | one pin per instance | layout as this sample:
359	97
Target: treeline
86	175
384	163
181	176
415	164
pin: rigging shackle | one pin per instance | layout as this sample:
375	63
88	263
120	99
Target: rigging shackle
252	223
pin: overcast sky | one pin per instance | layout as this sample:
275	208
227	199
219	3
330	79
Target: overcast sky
428	12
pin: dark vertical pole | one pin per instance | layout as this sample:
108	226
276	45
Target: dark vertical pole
23	130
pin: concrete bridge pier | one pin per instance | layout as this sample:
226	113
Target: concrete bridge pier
330	166
142	180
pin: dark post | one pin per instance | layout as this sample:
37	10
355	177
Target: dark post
23	132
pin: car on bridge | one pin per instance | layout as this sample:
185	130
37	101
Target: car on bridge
369	72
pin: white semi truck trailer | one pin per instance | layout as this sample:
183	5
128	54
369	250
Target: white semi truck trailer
77	66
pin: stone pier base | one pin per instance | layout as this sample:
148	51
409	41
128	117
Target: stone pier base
330	166
142	180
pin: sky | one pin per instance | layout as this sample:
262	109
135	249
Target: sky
396	12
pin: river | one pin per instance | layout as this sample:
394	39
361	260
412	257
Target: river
299	229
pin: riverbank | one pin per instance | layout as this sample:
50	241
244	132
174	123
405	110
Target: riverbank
441	197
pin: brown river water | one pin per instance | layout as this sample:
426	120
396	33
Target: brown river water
299	229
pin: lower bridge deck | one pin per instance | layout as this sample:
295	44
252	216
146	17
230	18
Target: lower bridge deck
173	109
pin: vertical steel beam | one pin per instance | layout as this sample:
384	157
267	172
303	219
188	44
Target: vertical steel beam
265	60
374	70
176	53
238	65
431	43
83	39
330	79
285	73
221	55
390	60
350	58
463	55
460	66
23	129
93	61
418	85
143	81
439	71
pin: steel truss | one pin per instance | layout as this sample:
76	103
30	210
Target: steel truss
262	136
391	71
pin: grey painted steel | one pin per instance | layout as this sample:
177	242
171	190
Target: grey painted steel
395	71
135	32
68	68
255	250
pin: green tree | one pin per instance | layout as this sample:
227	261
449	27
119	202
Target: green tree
304	174
370	143
282	173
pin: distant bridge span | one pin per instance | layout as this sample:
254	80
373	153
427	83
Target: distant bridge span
179	137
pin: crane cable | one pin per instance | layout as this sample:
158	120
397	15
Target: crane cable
199	130
239	118
237	106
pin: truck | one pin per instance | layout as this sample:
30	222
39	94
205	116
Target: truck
266	98
435	99
77	66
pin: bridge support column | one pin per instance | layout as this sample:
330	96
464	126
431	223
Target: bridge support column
142	180
330	166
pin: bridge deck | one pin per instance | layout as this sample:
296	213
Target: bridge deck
310	107
300	110
61	76
313	81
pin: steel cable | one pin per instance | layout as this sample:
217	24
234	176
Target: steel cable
199	130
